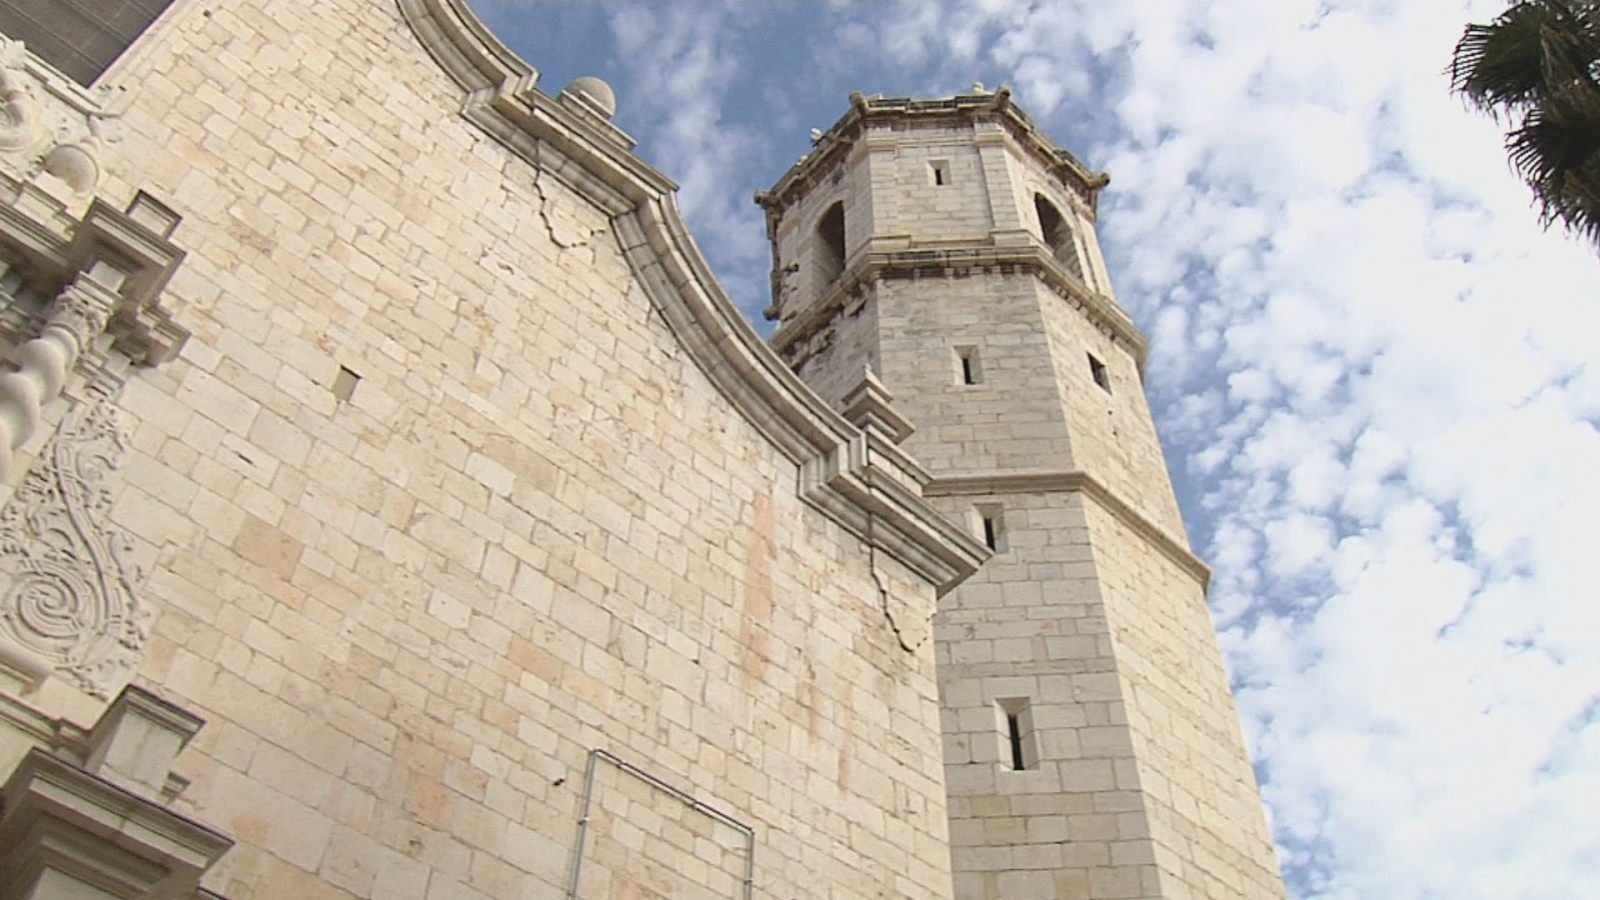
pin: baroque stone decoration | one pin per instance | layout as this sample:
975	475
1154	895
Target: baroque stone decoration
71	594
64	136
74	318
16	109
69	603
114	267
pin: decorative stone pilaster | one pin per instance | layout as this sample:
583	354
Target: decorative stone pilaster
77	316
66	591
869	407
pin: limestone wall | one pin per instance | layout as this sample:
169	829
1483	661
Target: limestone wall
1136	782
1113	434
1200	798
1091	747
533	528
1032	627
940	186
1011	418
831	360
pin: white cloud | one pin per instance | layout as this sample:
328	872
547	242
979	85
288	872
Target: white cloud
682	64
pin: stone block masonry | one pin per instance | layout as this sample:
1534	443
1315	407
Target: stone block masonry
443	493
1091	746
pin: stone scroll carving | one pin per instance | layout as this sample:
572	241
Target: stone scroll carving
70	597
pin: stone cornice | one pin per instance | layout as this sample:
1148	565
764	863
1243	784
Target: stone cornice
570	141
52	251
835	144
38	728
59	817
466	49
106	271
1079	482
871	265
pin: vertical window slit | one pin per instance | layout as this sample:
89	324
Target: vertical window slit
967	367
991	521
1014	727
1097	371
344	383
1018	748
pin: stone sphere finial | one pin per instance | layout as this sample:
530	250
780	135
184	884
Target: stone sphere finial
598	92
76	165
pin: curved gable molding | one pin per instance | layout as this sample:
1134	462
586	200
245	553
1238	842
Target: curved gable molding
854	477
461	44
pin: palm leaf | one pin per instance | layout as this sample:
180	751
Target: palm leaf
1538	65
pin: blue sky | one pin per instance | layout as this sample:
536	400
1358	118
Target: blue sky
1378	381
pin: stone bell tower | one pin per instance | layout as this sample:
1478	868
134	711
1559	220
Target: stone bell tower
1091	744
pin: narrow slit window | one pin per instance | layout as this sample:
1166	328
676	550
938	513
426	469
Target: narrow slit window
1097	371
1019	749
967	368
1014	727
992	525
939	172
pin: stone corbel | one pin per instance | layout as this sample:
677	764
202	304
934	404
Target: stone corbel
138	243
136	740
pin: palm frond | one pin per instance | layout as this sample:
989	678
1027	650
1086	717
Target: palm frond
1538	65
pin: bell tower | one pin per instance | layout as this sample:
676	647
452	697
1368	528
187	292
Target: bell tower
1091	744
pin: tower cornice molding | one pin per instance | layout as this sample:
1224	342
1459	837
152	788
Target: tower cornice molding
869	114
1172	547
878	264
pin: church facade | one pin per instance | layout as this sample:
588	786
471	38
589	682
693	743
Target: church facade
395	506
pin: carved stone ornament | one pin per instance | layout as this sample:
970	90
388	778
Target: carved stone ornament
81	310
16	108
71	596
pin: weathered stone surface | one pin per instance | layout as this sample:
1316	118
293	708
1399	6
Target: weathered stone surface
1091	745
549	516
